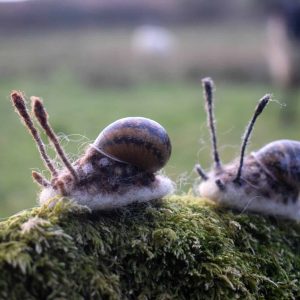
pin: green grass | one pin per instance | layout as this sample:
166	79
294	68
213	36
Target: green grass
106	56
81	112
179	248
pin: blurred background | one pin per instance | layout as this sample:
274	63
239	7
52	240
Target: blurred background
95	61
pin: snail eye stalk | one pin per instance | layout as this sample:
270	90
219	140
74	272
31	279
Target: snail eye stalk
18	102
208	87
258	110
40	179
201	172
42	117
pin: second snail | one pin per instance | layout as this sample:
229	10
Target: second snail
266	181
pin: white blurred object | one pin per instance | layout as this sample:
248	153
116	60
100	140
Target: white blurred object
153	40
279	52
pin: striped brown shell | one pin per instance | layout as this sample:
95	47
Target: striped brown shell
281	159
138	141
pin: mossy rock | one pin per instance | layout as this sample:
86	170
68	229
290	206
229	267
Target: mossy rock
178	248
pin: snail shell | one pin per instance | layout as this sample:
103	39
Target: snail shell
281	159
138	141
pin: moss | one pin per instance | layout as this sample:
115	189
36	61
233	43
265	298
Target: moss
179	248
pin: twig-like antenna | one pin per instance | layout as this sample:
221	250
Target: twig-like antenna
42	117
208	87
258	110
201	172
20	106
40	179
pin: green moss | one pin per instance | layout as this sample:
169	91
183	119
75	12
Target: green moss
179	248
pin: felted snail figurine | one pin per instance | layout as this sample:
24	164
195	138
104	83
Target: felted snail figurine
266	181
116	170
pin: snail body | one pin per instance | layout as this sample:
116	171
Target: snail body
119	168
269	184
266	181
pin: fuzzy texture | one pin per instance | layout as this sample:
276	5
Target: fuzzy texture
161	187
269	183
118	169
178	248
104	183
252	200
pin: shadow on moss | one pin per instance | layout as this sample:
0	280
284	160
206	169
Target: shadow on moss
179	248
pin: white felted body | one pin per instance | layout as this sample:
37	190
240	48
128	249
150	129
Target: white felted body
236	197
161	187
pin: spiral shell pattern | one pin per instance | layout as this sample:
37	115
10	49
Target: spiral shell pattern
138	141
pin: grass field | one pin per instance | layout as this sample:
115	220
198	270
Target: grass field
89	78
78	114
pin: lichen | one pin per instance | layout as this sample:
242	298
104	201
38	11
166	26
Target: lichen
179	248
